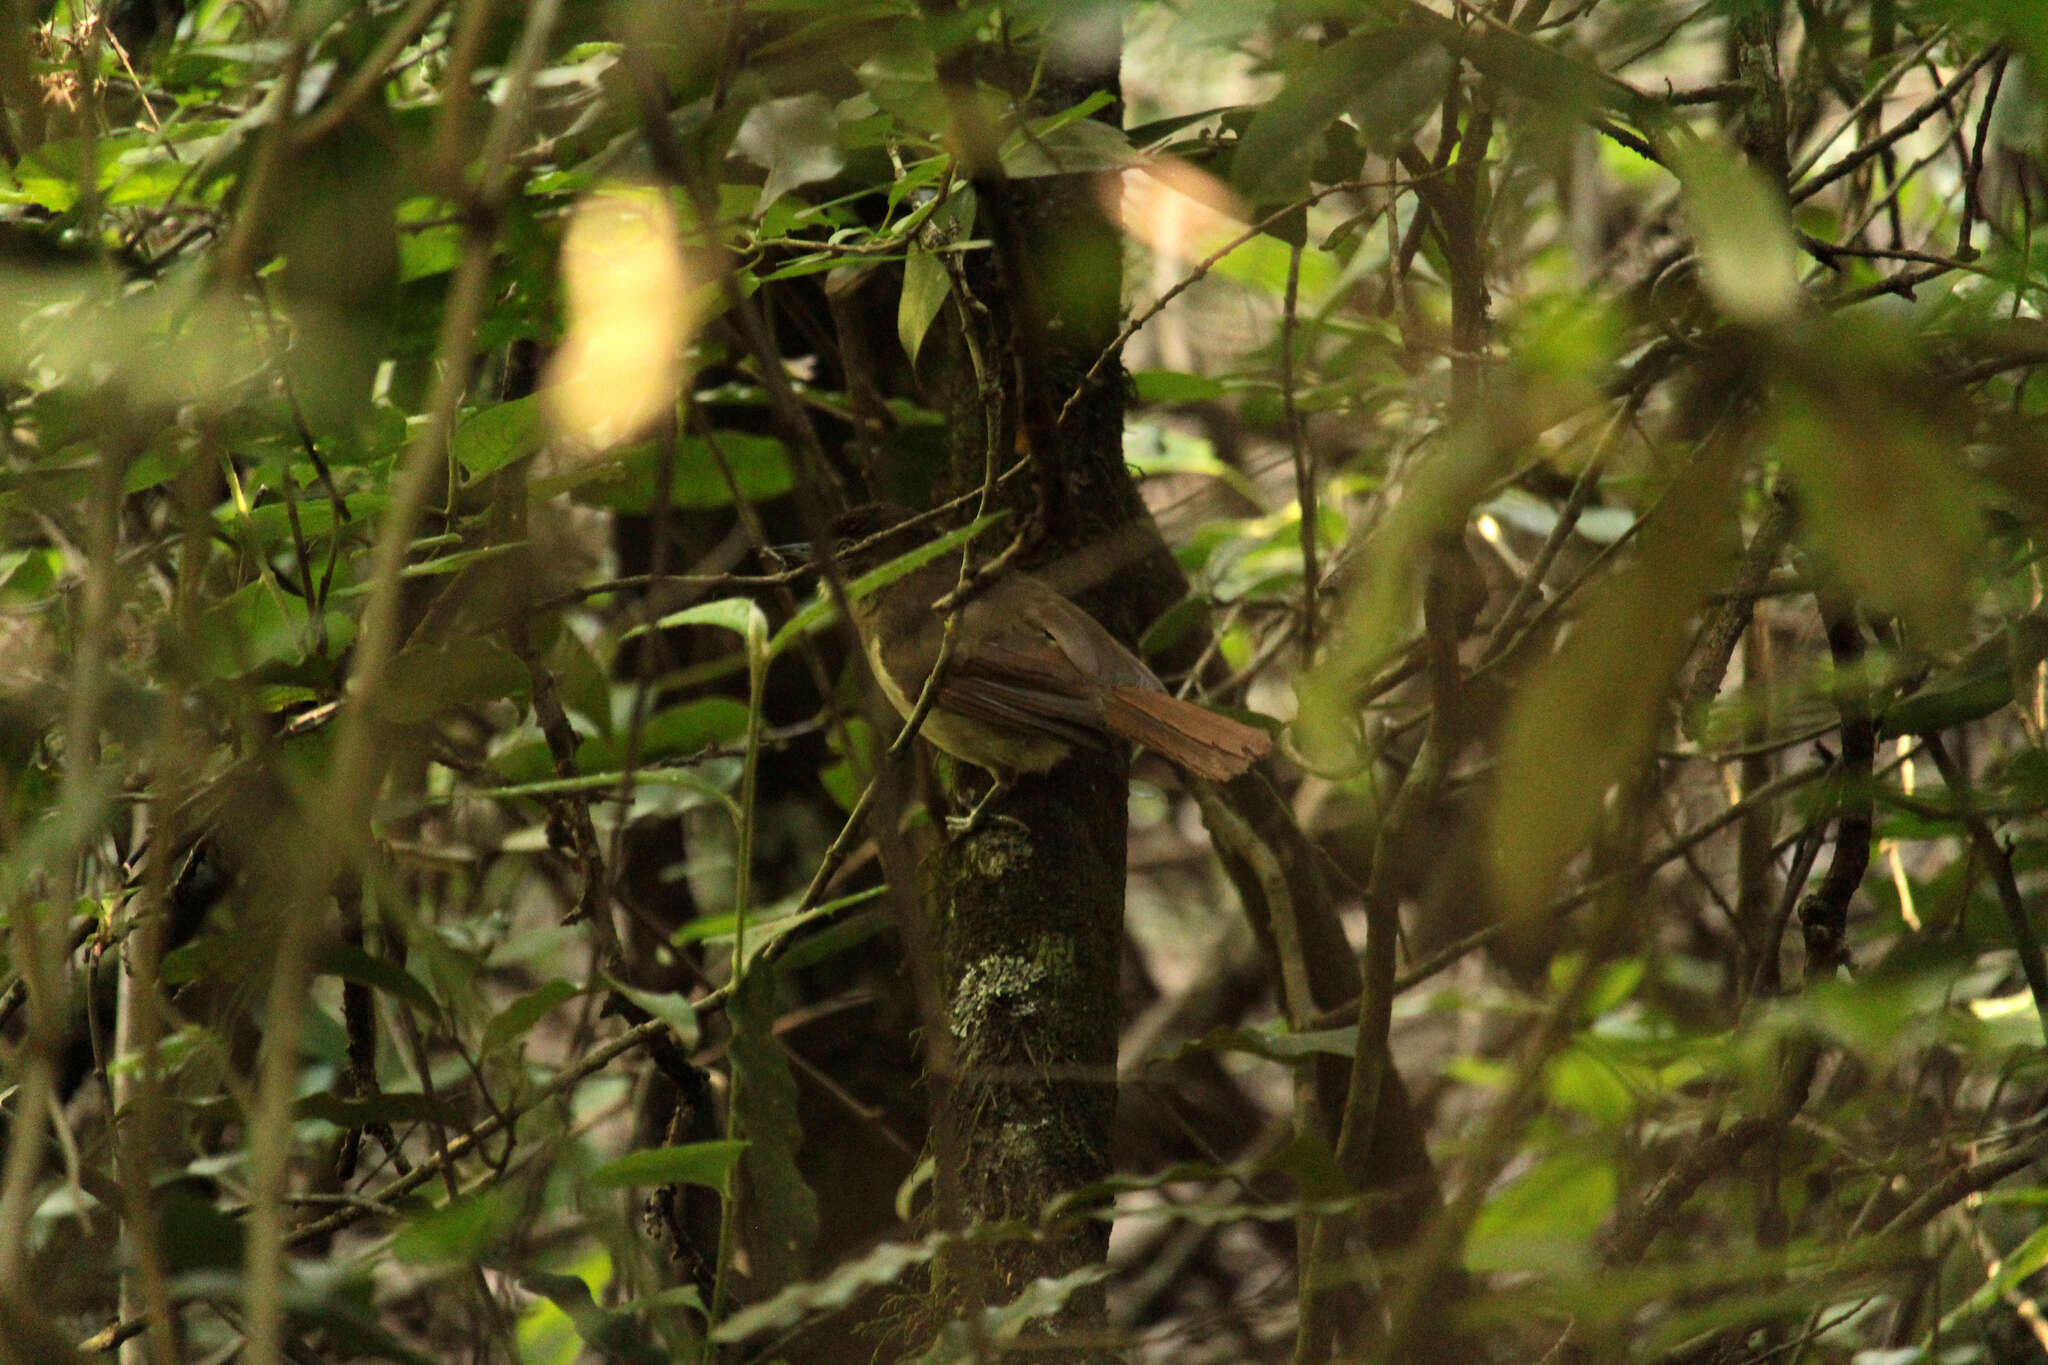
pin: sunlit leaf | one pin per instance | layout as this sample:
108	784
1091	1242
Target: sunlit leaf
1749	262
633	299
615	1334
1545	1220
457	1232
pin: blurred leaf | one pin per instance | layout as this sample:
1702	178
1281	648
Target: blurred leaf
624	480
783	1217
386	1106
29	574
1408	67
1174	386
960	1344
1749	261
699	1163
1582	1080
196	1234
1950	702
490	438
1151	450
255	626
426	680
883	1264
1078	147
351	963
795	140
671	1007
2021	1264
614	1333
1276	1044
1544	1221
463	1231
1307	1160
510	1025
1864	443
1581	725
633	298
1380	607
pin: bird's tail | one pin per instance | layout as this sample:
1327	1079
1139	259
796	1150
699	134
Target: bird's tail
1189	736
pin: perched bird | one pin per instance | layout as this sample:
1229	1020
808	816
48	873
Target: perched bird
1031	679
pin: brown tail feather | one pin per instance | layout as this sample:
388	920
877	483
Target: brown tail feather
1206	744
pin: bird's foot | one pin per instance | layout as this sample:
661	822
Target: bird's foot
960	826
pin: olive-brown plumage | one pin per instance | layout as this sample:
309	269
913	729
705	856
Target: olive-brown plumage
1032	677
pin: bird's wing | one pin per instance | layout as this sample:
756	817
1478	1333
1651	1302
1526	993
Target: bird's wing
1016	666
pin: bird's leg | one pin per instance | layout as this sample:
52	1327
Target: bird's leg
962	825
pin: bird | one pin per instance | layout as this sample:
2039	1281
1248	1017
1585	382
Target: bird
1031	680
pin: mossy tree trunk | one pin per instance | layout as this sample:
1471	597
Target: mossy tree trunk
1029	909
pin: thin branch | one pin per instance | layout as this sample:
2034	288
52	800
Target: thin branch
1905	128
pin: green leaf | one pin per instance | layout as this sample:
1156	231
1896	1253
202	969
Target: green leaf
784	1218
458	1232
1864	441
741	615
1082	146
1174	386
351	963
1584	721
1949	703
671	1007
1545	1221
960	1344
1276	1044
1749	260
883	1264
1388	78
254	627
616	1334
686	730
1307	1160
510	1024
29	574
386	1106
624	481
1582	1080
698	1163
490	438
196	1234
1379	611
926	281
796	140
426	680
925	286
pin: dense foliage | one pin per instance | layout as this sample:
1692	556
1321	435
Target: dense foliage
461	899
